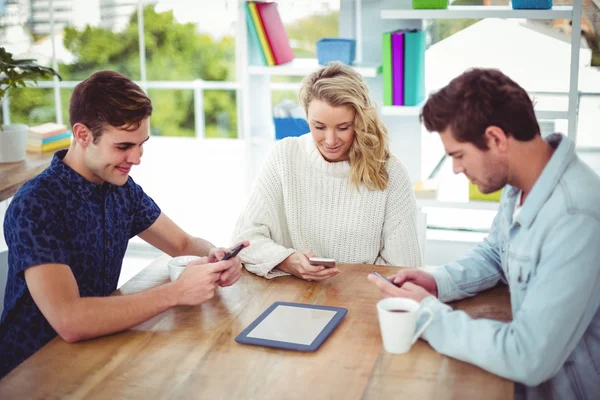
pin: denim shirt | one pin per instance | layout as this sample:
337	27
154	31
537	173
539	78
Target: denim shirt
60	217
550	259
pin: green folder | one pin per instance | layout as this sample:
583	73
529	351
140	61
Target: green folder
429	4
386	59
414	67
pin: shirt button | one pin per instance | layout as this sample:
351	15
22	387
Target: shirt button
503	249
108	242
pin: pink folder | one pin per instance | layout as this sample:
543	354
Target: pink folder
398	68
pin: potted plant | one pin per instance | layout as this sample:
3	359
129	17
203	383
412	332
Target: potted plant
14	74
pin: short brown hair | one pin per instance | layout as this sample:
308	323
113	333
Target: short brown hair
108	98
477	99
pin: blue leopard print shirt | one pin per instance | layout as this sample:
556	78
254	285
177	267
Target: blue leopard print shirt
60	217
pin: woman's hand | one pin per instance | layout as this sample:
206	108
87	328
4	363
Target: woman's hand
297	264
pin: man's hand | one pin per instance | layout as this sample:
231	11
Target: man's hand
408	290
297	264
216	254
409	283
198	281
418	277
233	274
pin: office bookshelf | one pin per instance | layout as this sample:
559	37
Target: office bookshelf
505	12
382	16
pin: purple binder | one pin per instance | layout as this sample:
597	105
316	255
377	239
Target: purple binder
398	68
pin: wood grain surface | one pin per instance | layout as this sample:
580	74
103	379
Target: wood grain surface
190	352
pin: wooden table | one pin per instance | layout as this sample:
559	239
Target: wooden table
190	352
14	175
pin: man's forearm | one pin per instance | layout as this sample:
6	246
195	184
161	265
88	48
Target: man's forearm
478	270
91	317
196	247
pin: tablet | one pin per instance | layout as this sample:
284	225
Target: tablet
293	326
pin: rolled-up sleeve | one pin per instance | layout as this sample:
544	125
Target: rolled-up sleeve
558	307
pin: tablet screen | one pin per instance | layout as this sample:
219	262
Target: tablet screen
296	325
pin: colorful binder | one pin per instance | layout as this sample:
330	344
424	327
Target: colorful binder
398	68
256	56
258	25
275	32
414	67
386	61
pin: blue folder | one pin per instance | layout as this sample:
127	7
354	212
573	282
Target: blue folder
414	67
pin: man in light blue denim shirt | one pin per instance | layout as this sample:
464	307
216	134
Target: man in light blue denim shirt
544	244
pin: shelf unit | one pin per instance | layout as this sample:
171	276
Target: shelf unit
506	12
305	66
478	12
403	123
414	111
402	111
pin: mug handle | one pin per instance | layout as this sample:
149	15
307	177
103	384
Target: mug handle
424	326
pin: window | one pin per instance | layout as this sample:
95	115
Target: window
182	50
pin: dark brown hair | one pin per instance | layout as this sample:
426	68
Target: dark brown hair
108	98
477	99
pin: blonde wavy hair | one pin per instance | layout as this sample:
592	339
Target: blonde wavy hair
339	85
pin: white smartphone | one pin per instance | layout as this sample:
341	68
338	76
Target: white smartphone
326	262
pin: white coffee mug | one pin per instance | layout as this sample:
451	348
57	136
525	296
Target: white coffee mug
178	264
398	321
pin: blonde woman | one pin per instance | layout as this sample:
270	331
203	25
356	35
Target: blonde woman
335	192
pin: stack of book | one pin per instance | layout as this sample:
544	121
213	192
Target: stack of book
268	40
48	137
403	60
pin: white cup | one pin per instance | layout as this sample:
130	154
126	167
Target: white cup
398	321
178	264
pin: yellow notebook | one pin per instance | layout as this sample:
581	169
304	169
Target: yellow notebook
59	144
264	43
475	194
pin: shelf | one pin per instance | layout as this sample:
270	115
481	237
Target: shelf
402	111
478	12
414	111
465	205
305	66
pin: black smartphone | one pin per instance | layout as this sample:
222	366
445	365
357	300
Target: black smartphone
377	274
233	252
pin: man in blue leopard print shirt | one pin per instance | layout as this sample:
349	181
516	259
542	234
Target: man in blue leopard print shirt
67	231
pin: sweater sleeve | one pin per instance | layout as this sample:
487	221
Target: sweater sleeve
400	238
263	220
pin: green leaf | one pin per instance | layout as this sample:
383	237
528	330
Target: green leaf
14	73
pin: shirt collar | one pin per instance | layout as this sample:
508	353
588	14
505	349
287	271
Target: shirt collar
84	188
564	153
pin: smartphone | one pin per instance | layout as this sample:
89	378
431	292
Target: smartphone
384	278
326	262
233	252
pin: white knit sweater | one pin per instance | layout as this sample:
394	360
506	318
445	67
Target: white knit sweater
302	202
